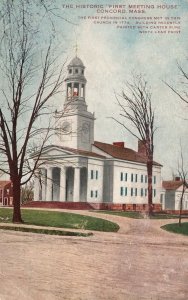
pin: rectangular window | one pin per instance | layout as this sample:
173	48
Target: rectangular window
97	174
154	179
92	173
136	177
125	176
121	191
154	193
96	194
135	191
142	178
142	192
121	176
131	177
146	178
91	194
146	190
126	191
131	191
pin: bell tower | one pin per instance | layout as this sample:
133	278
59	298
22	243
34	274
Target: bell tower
75	125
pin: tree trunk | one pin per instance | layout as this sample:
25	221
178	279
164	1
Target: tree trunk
180	213
150	191
181	205
16	201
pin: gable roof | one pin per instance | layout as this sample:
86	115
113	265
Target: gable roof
83	152
3	183
73	151
172	184
122	153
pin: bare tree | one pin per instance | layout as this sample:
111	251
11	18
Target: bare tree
32	76
27	192
183	173
136	108
182	93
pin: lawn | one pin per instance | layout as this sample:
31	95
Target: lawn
46	231
137	215
60	219
183	229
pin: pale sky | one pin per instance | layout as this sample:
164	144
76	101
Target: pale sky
111	55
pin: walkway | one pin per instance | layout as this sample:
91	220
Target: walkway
141	261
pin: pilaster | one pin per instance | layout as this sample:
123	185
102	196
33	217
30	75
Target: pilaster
76	192
49	184
43	182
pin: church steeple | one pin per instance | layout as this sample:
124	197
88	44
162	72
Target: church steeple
76	124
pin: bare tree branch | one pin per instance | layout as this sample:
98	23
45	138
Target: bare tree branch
32	76
138	117
183	174
182	94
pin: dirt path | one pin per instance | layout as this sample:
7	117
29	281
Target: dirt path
141	261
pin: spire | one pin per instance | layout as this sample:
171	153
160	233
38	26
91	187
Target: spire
76	49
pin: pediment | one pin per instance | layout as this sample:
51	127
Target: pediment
55	151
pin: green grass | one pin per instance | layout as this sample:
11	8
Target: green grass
164	216
128	214
45	231
60	219
183	229
137	215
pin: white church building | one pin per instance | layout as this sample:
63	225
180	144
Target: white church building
78	169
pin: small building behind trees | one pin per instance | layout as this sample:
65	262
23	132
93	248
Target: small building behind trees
6	193
172	191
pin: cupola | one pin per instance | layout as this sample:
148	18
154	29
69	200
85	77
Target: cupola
75	80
